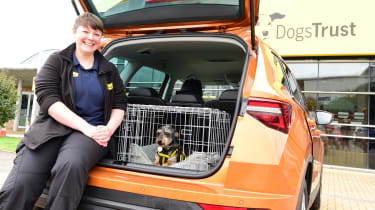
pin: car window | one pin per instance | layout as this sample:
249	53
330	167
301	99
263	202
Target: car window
281	75
213	92
293	85
121	65
106	8
210	91
285	77
144	77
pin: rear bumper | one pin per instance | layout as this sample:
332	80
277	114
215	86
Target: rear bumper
113	199
106	199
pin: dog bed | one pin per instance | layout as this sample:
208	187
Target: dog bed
200	161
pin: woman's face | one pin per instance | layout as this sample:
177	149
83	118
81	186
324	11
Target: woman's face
87	39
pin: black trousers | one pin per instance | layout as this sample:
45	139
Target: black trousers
66	160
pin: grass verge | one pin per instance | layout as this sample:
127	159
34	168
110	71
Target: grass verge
9	143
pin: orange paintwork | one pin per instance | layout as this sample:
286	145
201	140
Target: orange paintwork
266	168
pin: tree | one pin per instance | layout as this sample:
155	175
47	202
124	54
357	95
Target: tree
8	98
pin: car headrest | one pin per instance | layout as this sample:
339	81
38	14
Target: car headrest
229	95
144	91
185	98
192	86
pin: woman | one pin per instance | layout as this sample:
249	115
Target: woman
82	102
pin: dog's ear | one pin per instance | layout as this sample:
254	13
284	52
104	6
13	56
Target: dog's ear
176	134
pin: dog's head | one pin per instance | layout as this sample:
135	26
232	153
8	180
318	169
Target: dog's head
166	135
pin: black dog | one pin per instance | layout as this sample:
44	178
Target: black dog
169	151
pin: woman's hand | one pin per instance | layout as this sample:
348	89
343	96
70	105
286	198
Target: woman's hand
61	113
94	133
102	135
89	130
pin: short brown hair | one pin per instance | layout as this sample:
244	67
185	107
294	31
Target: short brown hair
89	19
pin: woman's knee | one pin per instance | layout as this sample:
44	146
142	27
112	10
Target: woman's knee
28	180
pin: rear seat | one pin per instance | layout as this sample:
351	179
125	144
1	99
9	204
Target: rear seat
227	101
144	95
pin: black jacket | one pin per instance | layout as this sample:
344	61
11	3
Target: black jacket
54	82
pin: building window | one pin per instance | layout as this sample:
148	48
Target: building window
26	108
346	89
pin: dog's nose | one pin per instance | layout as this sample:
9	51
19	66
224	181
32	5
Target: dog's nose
159	143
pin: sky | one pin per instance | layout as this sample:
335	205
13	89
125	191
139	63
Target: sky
30	26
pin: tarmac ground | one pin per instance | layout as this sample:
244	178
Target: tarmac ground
342	188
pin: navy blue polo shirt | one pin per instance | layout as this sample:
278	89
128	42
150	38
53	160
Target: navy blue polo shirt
89	93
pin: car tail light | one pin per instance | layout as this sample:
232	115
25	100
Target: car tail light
213	207
273	114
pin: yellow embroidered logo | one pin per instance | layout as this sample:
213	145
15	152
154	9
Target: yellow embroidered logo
75	74
110	86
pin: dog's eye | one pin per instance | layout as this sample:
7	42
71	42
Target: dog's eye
168	134
158	133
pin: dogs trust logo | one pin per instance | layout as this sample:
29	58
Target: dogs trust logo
315	30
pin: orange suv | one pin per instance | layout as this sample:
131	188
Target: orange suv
215	118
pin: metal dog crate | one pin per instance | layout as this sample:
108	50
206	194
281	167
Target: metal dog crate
202	134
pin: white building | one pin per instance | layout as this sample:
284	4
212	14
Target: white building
24	74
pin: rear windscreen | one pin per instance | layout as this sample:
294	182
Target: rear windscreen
117	13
